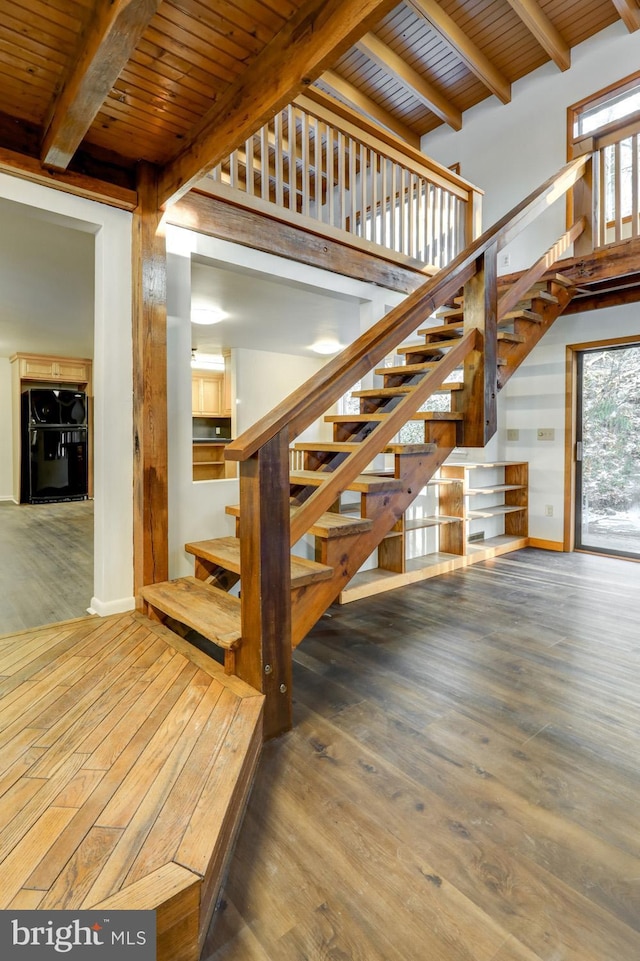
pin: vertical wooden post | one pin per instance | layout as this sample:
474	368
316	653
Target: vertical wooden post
478	398
587	204
473	218
264	656
149	311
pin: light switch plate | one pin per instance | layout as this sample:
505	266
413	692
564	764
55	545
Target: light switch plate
546	433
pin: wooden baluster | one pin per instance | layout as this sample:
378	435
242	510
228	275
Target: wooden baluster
264	656
233	170
364	178
331	179
373	173
248	150
291	153
353	186
429	225
413	244
393	232
341	180
317	176
278	146
384	200
306	165
478	397
265	177
635	185
617	192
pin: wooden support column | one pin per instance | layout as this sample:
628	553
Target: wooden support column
587	204
478	398
264	656
149	311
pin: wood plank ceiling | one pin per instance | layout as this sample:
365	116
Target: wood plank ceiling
93	88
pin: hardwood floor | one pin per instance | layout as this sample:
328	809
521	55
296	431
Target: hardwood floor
462	783
46	563
126	757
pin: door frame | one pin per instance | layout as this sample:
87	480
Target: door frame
571	418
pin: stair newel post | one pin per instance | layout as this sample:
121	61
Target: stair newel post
478	398
264	656
587	203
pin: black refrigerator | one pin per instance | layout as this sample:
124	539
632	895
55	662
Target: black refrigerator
54	445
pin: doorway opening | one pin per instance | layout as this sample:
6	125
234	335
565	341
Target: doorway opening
607	450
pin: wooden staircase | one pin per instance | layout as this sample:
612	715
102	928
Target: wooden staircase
483	333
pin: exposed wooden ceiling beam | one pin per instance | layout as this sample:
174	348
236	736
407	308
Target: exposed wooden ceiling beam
629	12
466	49
367	106
111	39
310	42
394	65
549	38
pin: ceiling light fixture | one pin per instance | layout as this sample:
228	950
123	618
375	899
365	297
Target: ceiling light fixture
207	315
326	347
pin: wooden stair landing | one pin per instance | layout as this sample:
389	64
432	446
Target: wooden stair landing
126	760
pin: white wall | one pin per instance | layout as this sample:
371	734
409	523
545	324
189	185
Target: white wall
261	377
112	379
6	433
508	151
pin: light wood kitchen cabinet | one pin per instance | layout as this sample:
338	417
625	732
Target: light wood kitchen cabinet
64	370
207	394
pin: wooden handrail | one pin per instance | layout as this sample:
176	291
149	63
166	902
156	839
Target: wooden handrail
313	398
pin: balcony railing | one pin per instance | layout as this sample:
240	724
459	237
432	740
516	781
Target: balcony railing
374	192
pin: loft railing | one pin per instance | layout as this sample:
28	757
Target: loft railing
344	178
618	189
267	529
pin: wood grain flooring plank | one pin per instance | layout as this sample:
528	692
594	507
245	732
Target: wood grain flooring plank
26	900
14	825
81	870
135	806
85	818
213	803
174	676
196	699
166	833
32	846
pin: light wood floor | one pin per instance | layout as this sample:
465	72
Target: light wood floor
463	780
46	563
126	756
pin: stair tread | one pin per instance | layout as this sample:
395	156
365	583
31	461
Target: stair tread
375	417
362	483
348	447
225	551
212	612
327	526
407	369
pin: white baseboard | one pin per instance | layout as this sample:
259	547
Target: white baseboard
105	608
8	497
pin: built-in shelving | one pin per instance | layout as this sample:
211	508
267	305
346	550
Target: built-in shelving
467	513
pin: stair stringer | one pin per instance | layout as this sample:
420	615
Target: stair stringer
513	355
347	555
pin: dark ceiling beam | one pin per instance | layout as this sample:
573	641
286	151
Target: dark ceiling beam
393	64
469	53
629	12
309	43
356	98
110	40
549	38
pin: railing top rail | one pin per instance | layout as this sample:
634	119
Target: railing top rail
311	400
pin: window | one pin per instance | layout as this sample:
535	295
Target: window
608	123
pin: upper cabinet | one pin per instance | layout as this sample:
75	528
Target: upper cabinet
207	389
66	370
211	391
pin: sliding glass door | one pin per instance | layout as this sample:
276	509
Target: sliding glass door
608	452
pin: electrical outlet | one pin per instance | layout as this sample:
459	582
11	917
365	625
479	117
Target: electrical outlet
513	434
505	260
548	511
546	433
217	430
